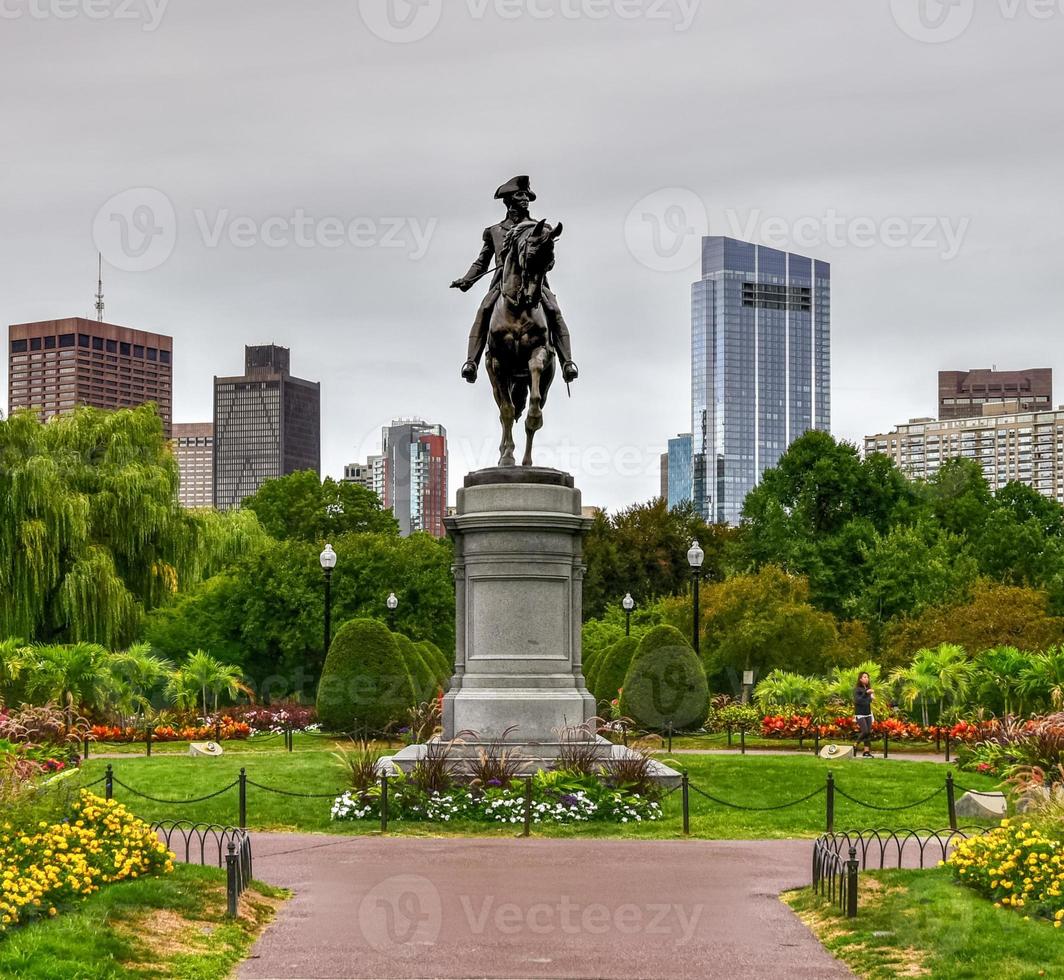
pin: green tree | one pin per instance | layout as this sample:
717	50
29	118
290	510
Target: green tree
302	507
91	533
1001	673
784	689
133	676
1042	679
938	675
72	675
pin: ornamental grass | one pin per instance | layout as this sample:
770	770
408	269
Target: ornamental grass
52	865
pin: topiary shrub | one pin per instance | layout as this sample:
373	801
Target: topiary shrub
423	676
609	676
443	670
590	671
365	684
665	683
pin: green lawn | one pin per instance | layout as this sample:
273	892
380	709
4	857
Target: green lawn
272	745
749	781
920	923
173	926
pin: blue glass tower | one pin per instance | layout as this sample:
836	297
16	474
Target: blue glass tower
760	366
680	455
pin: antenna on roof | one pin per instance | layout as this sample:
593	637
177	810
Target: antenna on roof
99	287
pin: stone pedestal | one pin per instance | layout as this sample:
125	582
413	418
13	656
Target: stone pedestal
518	570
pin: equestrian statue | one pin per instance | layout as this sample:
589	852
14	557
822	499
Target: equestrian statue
519	322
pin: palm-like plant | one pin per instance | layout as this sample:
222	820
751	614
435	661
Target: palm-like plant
72	675
781	689
844	679
1000	677
918	682
202	675
133	675
13	661
1042	679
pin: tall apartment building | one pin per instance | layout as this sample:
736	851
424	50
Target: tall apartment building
761	366
266	424
194	452
55	365
1009	444
962	394
410	477
680	484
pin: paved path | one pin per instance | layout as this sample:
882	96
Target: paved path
807	753
402	907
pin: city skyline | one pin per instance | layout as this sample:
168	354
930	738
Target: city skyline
877	161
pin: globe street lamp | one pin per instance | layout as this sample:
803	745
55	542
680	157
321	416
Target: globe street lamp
328	563
393	604
628	603
695	557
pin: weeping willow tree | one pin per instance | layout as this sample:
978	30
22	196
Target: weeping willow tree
91	534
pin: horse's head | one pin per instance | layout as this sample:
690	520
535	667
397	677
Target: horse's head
529	257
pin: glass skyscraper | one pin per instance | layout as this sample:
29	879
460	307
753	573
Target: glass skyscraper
680	489
760	366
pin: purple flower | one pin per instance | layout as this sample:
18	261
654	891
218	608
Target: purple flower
495	782
569	800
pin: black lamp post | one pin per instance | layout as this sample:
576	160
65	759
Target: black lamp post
628	604
393	604
695	557
328	563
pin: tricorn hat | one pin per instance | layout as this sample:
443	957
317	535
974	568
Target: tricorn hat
514	185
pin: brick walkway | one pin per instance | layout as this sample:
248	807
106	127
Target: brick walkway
371	907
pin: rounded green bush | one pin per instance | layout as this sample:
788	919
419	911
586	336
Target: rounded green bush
666	683
365	684
609	676
438	662
423	676
590	671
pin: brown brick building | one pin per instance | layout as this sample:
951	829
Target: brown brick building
55	365
962	394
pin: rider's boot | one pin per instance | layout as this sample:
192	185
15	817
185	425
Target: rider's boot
478	338
563	345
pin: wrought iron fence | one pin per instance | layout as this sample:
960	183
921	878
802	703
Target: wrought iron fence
212	845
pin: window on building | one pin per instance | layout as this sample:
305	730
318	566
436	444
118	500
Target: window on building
19	346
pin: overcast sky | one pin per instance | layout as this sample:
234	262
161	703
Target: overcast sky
315	173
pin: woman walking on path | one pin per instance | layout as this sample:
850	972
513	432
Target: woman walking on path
862	707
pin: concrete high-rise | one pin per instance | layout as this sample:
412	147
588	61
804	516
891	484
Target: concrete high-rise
194	452
56	365
267	424
962	394
761	366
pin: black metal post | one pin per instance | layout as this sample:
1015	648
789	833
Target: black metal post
938	738
695	582
328	611
951	801
147	739
728	729
886	745
831	802
852	867
685	788
384	803
109	782
289	737
816	741
628	622
947	746
85	747
670	736
243	799
528	807
231	880
742	740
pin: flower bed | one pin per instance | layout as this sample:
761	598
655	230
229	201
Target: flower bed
804	726
553	801
101	843
230	730
274	719
1017	866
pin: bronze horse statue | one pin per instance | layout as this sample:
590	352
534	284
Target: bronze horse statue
520	360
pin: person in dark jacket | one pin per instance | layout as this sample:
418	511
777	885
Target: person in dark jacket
863	696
